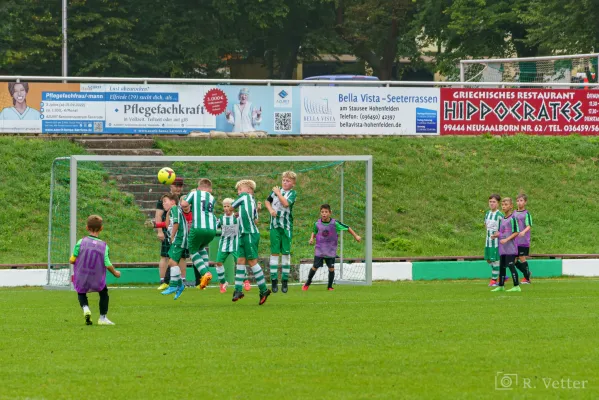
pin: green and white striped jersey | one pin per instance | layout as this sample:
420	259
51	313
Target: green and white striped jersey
492	219
176	217
284	218
248	212
202	207
229	238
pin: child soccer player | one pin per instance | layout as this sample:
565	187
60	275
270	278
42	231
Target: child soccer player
326	234
508	230
177	231
523	239
203	228
280	206
492	218
249	239
90	261
228	243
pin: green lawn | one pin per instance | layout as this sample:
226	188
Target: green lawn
433	340
429	193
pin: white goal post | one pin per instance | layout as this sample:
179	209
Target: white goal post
76	178
548	69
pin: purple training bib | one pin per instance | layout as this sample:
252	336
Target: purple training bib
89	270
326	239
505	230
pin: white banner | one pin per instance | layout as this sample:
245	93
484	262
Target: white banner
369	110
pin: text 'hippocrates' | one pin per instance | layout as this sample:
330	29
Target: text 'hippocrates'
512	111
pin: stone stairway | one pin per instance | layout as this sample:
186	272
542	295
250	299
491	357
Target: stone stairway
137	178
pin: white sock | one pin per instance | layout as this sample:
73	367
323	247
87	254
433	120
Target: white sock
102	316
85	309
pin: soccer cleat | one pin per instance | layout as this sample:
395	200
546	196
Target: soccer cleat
88	317
163	286
238	295
223	287
525	281
263	296
205	280
330	288
499	289
170	290
246	285
180	290
105	321
515	289
305	287
493	283
284	286
275	286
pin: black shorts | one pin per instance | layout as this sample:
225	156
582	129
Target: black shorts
506	259
165	245
318	261
523	251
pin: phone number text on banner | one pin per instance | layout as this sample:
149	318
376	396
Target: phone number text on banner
513	111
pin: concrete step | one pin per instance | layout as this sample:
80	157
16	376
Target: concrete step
139	188
127	152
113	143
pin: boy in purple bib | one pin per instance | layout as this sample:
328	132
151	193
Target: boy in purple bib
508	250
523	240
90	261
326	234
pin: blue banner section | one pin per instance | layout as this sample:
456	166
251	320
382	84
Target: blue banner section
183	109
73	96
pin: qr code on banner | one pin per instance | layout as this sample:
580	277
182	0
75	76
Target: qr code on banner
282	122
98	126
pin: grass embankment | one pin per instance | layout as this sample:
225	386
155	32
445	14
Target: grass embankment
429	194
25	196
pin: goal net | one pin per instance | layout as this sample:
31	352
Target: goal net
552	69
124	191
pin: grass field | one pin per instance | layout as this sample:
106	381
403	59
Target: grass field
434	340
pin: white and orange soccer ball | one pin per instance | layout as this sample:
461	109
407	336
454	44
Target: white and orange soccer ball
166	176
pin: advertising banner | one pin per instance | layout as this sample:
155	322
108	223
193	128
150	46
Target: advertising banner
146	109
512	111
369	110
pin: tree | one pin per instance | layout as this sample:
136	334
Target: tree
30	38
563	26
373	29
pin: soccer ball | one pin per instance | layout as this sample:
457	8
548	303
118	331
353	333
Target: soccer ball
166	176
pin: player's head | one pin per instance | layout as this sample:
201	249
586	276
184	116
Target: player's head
169	200
521	201
227	206
289	178
177	186
94	224
325	212
205	185
494	200
18	91
245	186
507	204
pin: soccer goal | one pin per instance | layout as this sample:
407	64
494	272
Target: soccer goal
551	69
124	191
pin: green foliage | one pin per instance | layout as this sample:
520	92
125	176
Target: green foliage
431	340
